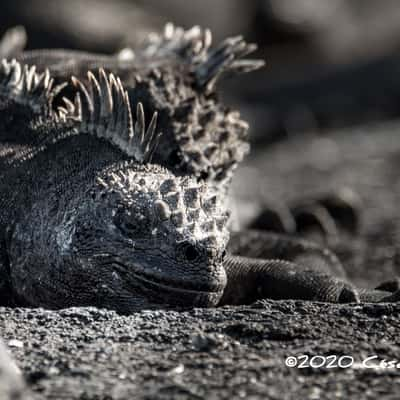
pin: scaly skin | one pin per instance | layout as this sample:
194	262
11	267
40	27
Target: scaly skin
97	222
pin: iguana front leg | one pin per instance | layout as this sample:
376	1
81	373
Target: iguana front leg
274	266
250	279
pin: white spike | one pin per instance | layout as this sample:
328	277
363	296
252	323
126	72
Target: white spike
69	105
24	85
139	126
169	30
104	110
107	103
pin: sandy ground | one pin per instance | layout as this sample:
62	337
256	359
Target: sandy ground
205	354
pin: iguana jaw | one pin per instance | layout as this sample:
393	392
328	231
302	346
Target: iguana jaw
174	293
185	286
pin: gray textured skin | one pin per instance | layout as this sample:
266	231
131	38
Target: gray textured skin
95	222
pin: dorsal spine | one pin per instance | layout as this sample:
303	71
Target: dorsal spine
194	47
23	85
102	108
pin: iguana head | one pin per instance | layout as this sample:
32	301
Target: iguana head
137	237
152	237
158	237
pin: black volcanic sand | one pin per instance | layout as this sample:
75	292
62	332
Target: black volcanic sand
210	353
240	352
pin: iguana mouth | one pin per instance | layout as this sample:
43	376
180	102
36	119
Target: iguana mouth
181	289
184	287
175	286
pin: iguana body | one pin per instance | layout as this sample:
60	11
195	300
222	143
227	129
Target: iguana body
93	212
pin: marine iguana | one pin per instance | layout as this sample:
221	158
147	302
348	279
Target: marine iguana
98	210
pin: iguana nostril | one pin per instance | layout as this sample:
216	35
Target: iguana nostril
223	255
130	226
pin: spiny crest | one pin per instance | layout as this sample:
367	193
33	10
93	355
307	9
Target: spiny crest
193	46
194	42
178	204
212	140
25	86
202	136
102	108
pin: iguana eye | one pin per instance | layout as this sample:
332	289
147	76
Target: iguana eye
188	252
191	253
129	225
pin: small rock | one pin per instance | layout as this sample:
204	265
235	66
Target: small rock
179	369
122	376
15	343
203	342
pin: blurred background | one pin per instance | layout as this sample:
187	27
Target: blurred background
330	63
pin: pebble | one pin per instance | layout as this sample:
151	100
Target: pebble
15	343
